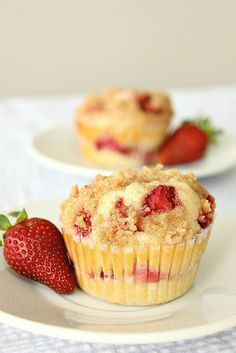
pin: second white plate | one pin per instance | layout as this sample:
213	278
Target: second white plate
58	148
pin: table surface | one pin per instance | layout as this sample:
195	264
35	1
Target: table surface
24	180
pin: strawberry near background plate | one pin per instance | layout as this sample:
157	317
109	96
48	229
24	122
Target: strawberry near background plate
58	148
209	307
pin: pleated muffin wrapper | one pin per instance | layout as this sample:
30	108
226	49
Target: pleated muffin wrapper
140	274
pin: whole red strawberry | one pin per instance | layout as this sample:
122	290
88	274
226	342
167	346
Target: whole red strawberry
34	248
188	143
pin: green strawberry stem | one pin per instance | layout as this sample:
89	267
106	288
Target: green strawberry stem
5	224
14	214
204	123
22	216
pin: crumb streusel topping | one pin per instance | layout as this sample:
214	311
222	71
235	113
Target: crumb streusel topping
150	206
126	104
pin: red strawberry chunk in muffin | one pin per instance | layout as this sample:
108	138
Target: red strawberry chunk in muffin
94	108
153	276
106	276
144	103
139	224
122	208
211	200
145	274
85	229
206	219
163	198
123	213
140	274
111	144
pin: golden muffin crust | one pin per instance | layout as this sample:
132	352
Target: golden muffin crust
152	206
128	104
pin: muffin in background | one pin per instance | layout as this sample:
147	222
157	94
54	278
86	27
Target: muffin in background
138	237
122	127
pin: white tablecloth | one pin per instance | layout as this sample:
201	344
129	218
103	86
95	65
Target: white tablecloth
24	180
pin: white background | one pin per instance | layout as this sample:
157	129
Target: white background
52	46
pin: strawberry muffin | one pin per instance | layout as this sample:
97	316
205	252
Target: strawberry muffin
122	127
137	237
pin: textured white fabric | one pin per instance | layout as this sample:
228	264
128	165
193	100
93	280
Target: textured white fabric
24	180
16	341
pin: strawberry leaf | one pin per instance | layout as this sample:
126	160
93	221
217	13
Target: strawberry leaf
14	214
3	238
22	216
4	223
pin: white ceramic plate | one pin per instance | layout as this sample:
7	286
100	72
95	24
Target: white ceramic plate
210	306
58	147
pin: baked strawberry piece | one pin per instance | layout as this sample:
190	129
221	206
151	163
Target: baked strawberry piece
144	101
206	216
83	225
163	198
111	144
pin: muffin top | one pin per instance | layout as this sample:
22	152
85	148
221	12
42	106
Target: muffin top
152	206
126	104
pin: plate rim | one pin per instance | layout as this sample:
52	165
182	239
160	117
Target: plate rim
65	167
125	338
92	171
